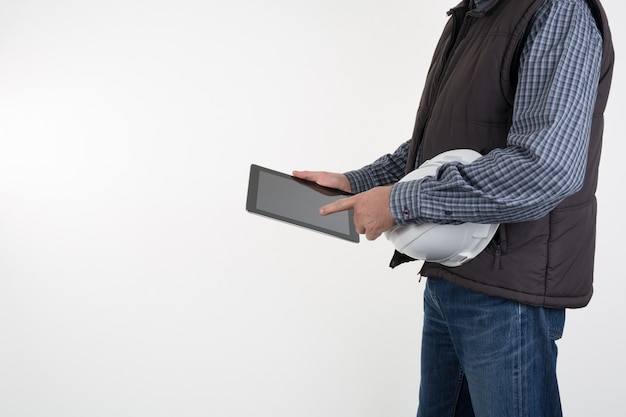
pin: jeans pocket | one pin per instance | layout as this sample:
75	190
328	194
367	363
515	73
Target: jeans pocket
555	319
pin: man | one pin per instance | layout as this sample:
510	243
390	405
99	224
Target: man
525	83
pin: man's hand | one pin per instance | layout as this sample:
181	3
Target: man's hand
372	215
326	179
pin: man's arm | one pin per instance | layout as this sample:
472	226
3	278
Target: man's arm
547	145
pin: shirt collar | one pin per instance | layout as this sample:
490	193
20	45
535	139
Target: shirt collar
479	7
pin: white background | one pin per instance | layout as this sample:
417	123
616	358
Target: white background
132	280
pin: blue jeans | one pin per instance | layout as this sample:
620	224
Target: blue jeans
487	357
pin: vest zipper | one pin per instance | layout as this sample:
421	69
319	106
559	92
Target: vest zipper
457	15
457	23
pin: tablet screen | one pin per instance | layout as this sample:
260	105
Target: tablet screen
292	200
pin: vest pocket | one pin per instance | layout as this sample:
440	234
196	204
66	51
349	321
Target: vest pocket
498	246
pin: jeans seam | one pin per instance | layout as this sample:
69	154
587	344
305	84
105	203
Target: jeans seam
459	385
519	360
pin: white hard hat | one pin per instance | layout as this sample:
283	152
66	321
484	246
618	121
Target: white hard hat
446	244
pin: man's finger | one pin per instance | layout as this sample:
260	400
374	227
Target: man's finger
342	204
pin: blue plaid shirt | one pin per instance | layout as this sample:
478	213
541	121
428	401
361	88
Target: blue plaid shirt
546	155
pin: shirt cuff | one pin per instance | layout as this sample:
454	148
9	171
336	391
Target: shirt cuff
359	181
404	202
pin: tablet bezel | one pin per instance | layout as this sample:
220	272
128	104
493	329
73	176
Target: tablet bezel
253	190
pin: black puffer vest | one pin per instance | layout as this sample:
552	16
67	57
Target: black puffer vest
467	102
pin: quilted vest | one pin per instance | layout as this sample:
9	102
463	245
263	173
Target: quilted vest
467	102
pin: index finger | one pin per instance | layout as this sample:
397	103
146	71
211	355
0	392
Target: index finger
342	204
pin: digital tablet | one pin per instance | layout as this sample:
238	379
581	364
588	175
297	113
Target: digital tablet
293	200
